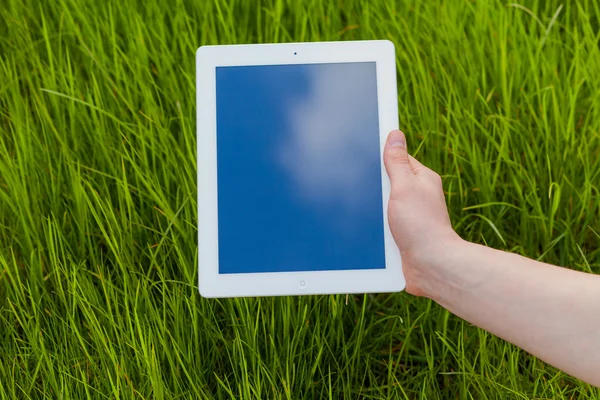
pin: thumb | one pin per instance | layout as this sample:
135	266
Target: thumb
395	155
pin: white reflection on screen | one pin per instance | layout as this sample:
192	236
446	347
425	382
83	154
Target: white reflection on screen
330	153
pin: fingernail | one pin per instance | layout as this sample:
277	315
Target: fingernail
396	139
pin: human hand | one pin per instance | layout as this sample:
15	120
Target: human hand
418	216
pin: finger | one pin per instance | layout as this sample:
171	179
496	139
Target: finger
395	156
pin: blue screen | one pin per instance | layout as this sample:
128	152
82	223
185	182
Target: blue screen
299	173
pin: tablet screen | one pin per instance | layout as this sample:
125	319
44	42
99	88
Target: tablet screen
299	173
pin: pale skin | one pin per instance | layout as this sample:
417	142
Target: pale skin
549	311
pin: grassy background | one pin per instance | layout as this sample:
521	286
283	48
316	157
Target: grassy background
98	292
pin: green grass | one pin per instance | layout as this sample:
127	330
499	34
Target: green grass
98	293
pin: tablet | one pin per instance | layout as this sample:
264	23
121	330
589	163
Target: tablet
292	190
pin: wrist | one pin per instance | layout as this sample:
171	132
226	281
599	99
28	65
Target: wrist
439	272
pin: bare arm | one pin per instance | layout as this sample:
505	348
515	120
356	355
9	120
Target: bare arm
552	312
549	311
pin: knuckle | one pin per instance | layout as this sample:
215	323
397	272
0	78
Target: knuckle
397	157
436	179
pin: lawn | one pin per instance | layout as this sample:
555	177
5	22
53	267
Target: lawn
98	270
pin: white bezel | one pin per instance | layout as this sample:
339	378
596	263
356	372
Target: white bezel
213	284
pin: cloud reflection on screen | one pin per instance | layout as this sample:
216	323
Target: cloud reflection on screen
330	151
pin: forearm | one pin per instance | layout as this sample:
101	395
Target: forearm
551	312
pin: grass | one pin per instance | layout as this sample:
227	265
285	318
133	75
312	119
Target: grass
98	295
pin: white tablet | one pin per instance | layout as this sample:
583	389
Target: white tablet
292	190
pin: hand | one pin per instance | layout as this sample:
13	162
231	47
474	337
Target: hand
548	311
417	215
